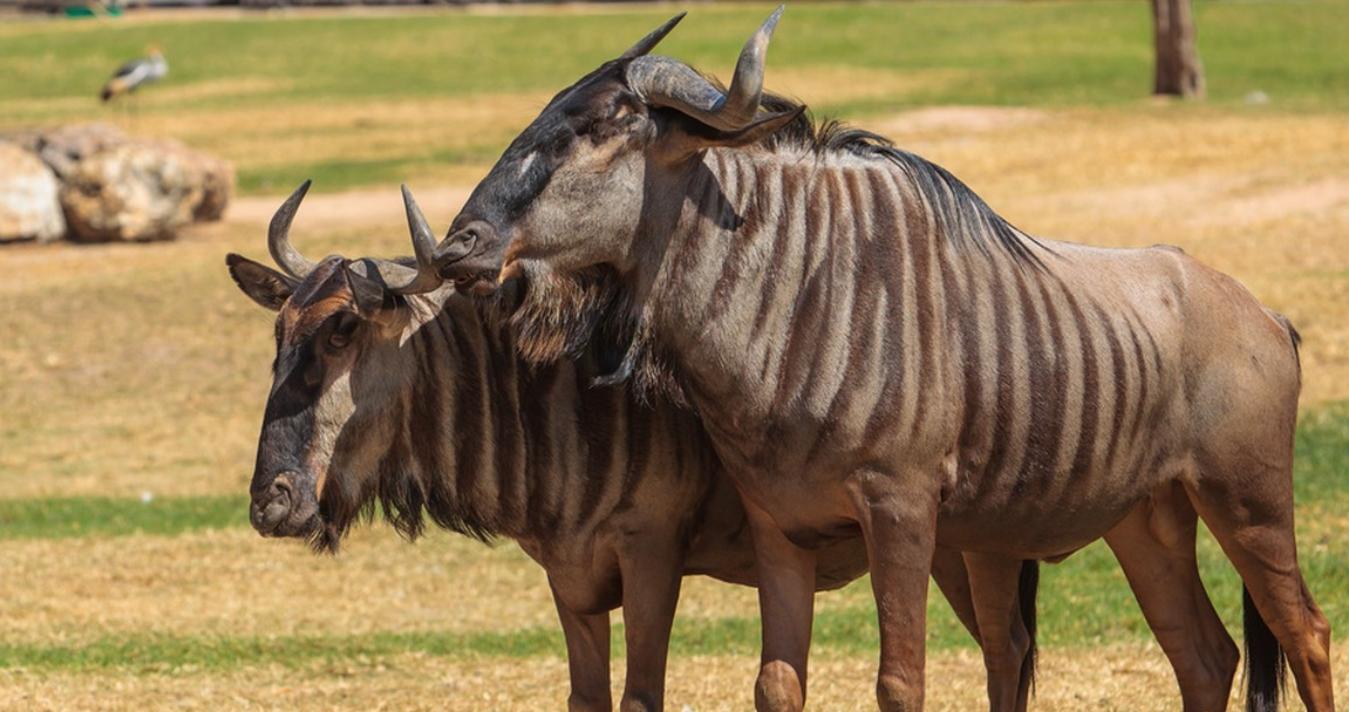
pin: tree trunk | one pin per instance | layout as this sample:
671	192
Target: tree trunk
1179	72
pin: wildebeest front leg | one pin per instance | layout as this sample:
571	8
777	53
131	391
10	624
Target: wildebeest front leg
587	638
786	575
899	523
651	578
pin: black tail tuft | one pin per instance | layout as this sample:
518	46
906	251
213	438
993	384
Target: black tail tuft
106	94
1265	669
1028	587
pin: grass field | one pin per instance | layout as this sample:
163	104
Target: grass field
132	377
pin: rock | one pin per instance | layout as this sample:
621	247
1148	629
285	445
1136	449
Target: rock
29	205
119	188
130	192
217	183
63	148
139	189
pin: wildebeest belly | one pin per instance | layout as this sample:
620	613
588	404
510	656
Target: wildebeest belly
1045	515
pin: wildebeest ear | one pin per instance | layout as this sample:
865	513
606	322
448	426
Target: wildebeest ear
262	284
692	135
752	133
369	294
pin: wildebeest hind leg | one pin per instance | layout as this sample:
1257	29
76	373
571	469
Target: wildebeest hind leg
1248	505
948	571
1155	546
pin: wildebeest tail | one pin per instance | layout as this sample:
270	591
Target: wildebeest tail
1293	336
1265	669
1028	586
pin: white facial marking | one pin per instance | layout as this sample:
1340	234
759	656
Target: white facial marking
525	164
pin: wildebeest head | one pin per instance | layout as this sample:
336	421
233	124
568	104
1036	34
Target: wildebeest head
572	189
338	329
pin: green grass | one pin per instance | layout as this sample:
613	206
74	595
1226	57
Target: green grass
1016	53
108	516
999	53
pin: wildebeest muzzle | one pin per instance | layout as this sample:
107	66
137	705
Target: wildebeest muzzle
285	507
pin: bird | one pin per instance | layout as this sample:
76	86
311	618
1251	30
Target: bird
138	72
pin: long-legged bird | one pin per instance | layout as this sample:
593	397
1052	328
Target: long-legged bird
132	75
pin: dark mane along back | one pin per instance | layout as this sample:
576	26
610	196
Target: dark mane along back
962	216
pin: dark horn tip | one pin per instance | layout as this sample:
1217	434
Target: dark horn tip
648	43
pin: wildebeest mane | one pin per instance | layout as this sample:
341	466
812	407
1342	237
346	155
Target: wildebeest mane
962	216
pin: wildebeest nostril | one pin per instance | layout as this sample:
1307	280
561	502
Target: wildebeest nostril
270	512
281	486
460	243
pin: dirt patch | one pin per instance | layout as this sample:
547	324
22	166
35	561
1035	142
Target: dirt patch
1279	202
355	208
959	120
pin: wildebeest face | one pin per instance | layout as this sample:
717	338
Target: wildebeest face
575	171
338	366
328	382
574	189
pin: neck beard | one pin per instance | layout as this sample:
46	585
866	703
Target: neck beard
572	314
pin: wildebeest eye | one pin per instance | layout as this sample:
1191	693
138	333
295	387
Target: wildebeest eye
340	336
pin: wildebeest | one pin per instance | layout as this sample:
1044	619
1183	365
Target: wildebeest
400	410
389	390
873	350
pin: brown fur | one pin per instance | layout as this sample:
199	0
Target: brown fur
870	347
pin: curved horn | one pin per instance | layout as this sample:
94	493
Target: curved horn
648	43
278	236
402	279
661	81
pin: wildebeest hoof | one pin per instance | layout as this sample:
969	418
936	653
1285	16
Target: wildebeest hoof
778	689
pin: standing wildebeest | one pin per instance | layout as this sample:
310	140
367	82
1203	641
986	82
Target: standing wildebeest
388	389
872	349
562	468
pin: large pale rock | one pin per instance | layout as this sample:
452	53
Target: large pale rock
63	148
118	187
29	205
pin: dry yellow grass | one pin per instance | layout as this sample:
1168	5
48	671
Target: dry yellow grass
1111	679
131	368
1263	198
232	582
